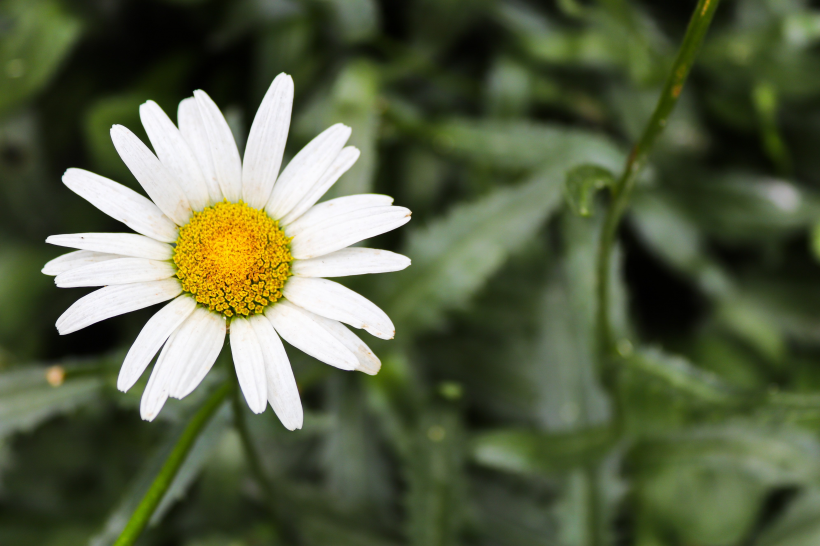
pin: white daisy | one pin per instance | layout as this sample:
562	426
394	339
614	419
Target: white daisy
236	246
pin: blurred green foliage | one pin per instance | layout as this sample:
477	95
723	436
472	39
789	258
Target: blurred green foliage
487	424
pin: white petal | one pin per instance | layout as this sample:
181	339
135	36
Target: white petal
343	231
78	258
350	261
124	244
283	394
346	158
334	301
119	271
150	339
115	300
305	169
152	176
224	154
194	348
204	335
334	209
249	364
193	130
175	154
266	142
156	392
299	328
368	362
121	203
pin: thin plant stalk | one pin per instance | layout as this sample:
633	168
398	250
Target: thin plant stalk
142	515
698	25
621	192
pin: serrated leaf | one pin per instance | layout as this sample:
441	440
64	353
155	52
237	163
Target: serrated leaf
778	455
27	399
524	145
684	378
40	37
531	452
454	256
737	207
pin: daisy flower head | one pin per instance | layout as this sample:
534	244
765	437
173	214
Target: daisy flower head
238	248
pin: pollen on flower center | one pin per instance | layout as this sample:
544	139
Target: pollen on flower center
233	259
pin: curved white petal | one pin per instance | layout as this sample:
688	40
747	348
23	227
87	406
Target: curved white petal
346	158
155	332
299	328
193	131
249	364
119	271
224	154
334	301
156	392
152	176
124	244
336	208
305	169
343	231
369	363
200	342
115	300
175	154
283	394
122	204
266	142
350	261
75	259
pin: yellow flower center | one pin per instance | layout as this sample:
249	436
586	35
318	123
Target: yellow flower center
233	259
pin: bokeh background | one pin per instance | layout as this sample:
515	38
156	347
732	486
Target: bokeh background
487	424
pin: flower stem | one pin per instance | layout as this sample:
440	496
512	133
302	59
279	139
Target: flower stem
698	25
141	516
695	32
252	455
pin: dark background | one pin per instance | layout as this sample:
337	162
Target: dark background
487	424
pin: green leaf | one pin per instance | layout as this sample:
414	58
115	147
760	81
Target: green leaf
353	100
707	485
777	455
455	255
684	378
583	182
40	37
524	145
530	452
27	398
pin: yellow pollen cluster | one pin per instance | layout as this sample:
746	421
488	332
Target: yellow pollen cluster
233	259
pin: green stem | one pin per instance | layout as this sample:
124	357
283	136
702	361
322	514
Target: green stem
698	25
252	455
141	516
